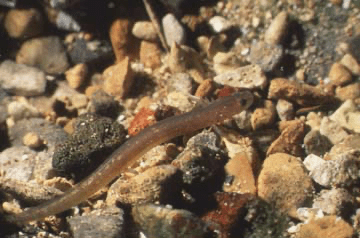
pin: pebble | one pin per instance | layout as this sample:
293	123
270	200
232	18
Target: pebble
22	109
339	75
65	21
243	120
263	116
219	24
328	226
32	140
250	76
316	144
76	75
301	93
284	182
46	53
332	130
160	221
348	116
24	23
265	55
181	101
205	88
351	64
144	118
349	145
214	45
285	110
224	62
22	80
351	91
144	30
105	223
121	40
340	171
173	30
278	29
290	140
118	78
337	201
103	104
150	54
181	82
160	184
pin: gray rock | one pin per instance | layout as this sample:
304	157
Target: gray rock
22	80
265	55
285	110
181	82
173	30
317	144
332	130
46	53
108	223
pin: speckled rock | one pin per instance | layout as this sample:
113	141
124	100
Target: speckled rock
250	76
181	82
46	53
107	223
348	116
144	118
278	29
285	110
332	130
24	23
265	55
283	181
243	120
180	100
144	30
22	80
263	116
164	222
316	144
173	30
103	104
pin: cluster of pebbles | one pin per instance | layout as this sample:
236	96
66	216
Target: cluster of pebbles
74	85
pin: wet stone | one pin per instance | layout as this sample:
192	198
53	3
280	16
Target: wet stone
317	144
266	56
173	30
103	104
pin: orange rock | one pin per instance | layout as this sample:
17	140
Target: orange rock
263	116
150	54
118	78
339	75
144	118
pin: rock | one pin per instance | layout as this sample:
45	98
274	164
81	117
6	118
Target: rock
64	21
173	30
181	82
121	40
250	76
107	223
150	54
76	75
351	91
145	30
103	104
326	226
301	93
205	88
46	53
144	118
22	109
313	120
24	23
263	116
285	110
265	55
340	171
159	184
182	101
160	221
316	144
278	29
22	80
337	201
32	140
348	116
351	64
290	139
348	145
339	75
224	62
332	130
243	120
118	78
283	181
219	24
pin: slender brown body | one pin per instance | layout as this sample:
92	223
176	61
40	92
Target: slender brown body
134	148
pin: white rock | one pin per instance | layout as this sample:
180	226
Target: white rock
348	116
332	130
219	24
173	30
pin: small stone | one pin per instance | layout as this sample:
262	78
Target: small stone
150	54
351	64
290	139
285	110
339	75
283	181
224	62
76	75
328	226
278	29
332	130
215	45
173	30
121	40
23	23
32	140
348	116
46	53
349	145
144	118
181	82
118	78
263	116
103	104
181	101
336	2
144	30
351	91
205	88
316	144
267	56
250	76
22	80
219	24
337	201
22	109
